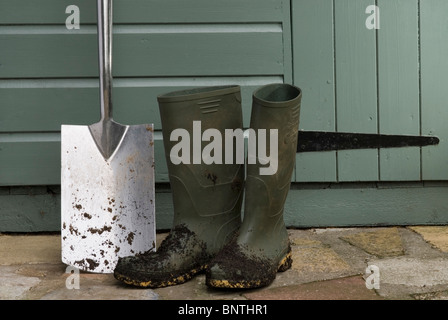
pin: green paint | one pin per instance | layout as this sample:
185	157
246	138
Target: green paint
307	206
60	53
390	81
367	205
142	11
314	74
356	87
398	91
35	159
434	82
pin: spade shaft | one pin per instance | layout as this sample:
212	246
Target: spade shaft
104	11
106	133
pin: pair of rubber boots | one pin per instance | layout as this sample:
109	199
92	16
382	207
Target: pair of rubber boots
204	145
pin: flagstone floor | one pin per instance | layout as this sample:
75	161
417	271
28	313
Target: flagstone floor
394	263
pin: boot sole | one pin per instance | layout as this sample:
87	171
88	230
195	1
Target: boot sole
179	279
284	265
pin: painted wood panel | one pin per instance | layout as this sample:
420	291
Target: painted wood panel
377	87
143	11
43	105
37	209
35	159
398	86
31	210
356	87
354	79
434	84
313	48
367	206
74	54
48	74
390	80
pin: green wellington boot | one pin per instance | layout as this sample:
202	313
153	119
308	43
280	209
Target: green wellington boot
207	198
262	248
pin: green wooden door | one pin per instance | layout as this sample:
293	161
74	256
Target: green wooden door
48	73
389	80
49	77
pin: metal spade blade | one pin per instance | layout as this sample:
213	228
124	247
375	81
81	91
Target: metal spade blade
107	179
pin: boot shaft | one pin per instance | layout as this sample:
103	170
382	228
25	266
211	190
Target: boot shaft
207	192
276	109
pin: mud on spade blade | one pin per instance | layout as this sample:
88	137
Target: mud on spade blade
107	205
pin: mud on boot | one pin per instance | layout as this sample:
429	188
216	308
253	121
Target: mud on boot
181	256
235	267
207	198
262	248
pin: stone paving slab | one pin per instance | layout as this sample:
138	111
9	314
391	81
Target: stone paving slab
435	235
351	288
14	286
29	249
96	287
379	242
317	259
442	295
401	276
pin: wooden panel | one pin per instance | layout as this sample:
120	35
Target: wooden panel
144	11
434	84
367	206
73	54
43	105
49	74
314	74
30	213
30	161
24	210
356	87
35	159
398	80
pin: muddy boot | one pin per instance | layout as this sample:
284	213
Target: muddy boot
207	188
262	248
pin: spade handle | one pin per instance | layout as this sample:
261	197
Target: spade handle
105	57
